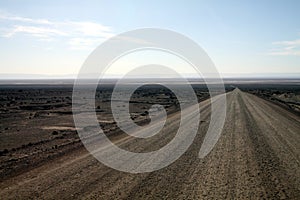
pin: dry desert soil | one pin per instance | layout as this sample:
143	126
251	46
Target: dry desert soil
256	157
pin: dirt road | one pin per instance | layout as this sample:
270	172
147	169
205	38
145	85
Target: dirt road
257	156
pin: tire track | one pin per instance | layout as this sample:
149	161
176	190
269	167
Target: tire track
275	179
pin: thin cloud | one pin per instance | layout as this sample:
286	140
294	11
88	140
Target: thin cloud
75	33
89	28
284	53
286	48
40	32
5	16
288	43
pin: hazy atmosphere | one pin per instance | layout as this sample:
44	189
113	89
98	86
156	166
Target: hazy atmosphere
244	38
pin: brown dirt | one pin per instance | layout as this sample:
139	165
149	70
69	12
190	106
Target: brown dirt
257	157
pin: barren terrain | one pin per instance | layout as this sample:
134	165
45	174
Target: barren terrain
257	156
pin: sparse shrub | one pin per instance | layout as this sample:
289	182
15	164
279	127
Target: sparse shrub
54	133
5	151
145	113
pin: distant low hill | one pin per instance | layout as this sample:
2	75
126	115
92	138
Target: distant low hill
225	75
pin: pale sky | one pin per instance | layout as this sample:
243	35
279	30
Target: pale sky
55	37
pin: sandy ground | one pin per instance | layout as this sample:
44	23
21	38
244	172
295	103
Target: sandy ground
257	156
